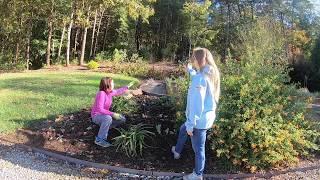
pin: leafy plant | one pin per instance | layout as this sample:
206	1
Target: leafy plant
93	65
132	141
125	106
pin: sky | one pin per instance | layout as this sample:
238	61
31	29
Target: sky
316	5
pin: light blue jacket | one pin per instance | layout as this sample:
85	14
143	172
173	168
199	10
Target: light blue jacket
201	105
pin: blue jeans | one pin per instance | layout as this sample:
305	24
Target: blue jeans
105	122
198	141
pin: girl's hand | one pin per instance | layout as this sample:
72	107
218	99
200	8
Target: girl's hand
117	116
190	133
189	66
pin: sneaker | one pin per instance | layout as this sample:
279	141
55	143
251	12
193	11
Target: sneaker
175	154
102	142
192	176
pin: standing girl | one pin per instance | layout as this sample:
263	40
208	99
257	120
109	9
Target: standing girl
100	112
203	96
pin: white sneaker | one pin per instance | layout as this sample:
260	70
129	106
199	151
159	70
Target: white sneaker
175	154
192	176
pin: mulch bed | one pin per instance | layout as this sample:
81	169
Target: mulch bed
73	135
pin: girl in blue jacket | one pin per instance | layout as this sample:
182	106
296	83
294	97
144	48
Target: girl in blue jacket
202	100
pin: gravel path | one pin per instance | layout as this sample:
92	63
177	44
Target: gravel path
16	163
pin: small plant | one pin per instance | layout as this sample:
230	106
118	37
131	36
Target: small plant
123	105
132	141
93	65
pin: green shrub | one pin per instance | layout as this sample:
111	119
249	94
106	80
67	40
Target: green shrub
103	56
119	55
135	58
132	69
6	64
261	120
132	141
177	90
123	105
93	65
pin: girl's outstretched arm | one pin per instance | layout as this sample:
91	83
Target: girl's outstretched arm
120	91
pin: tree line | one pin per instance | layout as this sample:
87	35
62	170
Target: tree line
44	32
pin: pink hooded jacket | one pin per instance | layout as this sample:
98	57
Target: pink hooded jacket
103	102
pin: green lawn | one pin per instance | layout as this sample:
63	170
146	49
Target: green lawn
35	96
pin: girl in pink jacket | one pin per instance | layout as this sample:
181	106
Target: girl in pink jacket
100	112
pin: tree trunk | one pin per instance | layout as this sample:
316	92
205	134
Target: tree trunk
61	40
83	49
137	34
93	33
98	32
69	41
17	53
52	49
105	36
76	41
252	9
84	40
28	52
49	43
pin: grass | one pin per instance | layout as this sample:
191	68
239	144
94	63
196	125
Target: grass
31	97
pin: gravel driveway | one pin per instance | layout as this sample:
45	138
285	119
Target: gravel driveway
16	163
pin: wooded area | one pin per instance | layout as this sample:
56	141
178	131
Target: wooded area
34	33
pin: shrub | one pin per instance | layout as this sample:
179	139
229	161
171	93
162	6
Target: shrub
261	120
132	69
177	90
7	65
119	55
123	105
103	56
93	65
132	141
135	58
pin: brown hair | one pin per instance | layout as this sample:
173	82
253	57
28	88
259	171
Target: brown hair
105	84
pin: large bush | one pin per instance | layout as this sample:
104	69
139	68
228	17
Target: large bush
261	120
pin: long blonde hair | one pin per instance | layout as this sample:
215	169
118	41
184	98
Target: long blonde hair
204	57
